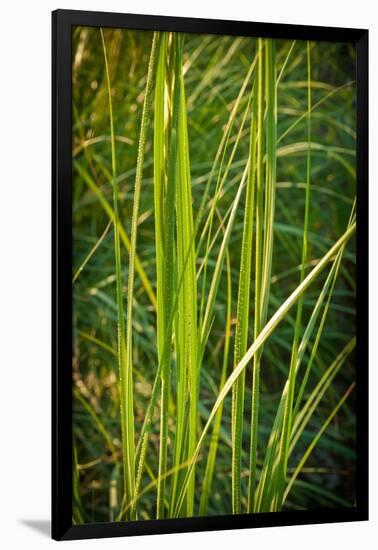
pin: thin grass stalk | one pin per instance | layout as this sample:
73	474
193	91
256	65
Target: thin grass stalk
176	50
284	65
164	207
258	264
218	188
124	378
322	322
134	228
219	265
221	151
210	464
187	312
288	412
242	317
92	251
264	235
184	260
270	175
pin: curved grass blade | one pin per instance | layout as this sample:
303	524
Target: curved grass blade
268	329
127	456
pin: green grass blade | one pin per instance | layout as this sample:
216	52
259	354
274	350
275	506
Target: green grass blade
130	286
187	307
259	107
242	318
288	411
127	457
164	192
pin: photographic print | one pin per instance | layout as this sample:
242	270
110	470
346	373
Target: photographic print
211	244
214	274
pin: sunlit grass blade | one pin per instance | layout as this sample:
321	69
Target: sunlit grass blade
242	316
265	213
126	421
164	193
259	108
187	306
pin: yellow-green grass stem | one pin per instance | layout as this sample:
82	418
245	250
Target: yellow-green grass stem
242	317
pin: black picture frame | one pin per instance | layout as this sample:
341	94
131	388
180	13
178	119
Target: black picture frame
62	22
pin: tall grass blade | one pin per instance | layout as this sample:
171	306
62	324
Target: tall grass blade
124	376
242	317
288	411
130	286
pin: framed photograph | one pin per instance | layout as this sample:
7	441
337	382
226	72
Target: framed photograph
210	307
